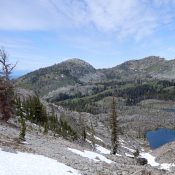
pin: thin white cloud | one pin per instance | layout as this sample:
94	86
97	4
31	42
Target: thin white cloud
136	18
164	2
25	53
128	18
28	15
30	61
13	43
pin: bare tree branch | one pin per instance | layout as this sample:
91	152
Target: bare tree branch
6	67
6	87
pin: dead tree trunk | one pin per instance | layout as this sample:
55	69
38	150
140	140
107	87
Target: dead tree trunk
6	88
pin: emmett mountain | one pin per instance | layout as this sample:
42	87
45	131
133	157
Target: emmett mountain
79	86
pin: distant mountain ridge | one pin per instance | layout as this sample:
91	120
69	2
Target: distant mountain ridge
76	71
141	64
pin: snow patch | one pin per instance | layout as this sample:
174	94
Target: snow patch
30	164
25	142
152	162
121	140
150	158
102	149
97	138
132	150
88	141
91	155
128	155
167	166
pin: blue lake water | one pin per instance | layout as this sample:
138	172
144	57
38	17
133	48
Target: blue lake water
160	137
169	110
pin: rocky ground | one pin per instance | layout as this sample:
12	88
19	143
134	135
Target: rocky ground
166	153
58	148
134	121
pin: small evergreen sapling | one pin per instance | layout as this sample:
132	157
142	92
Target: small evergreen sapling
136	153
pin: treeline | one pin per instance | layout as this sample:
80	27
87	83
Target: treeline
66	96
132	93
86	104
33	110
161	90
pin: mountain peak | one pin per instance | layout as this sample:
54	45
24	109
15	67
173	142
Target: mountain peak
76	61
77	67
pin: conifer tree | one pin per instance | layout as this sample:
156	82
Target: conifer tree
92	136
18	105
20	112
45	128
35	111
82	129
114	128
22	127
65	129
54	123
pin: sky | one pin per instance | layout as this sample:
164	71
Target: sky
105	33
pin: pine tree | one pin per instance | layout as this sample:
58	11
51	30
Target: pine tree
35	111
51	121
20	111
92	136
66	130
45	128
82	129
114	128
18	105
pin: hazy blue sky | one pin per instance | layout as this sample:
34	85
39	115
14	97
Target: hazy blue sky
38	33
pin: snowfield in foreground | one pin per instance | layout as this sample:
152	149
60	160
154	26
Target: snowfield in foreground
30	164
